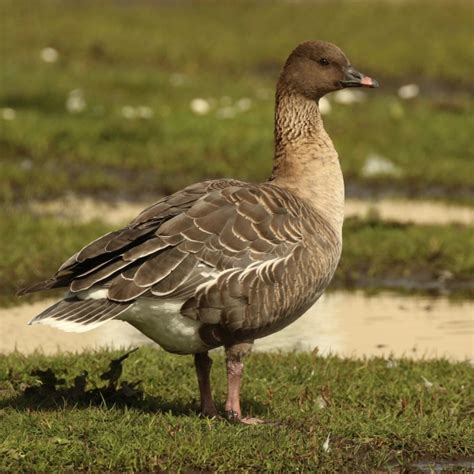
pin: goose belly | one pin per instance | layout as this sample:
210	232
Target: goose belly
162	322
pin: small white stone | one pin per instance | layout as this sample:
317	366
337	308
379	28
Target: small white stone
8	114
377	165
326	447
244	104
26	164
426	382
445	275
129	112
349	96
321	402
200	106
408	91
49	55
391	364
75	101
145	112
324	106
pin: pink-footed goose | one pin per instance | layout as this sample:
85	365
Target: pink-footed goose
223	262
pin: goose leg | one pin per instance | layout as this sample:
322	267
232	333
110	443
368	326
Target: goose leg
203	364
235	367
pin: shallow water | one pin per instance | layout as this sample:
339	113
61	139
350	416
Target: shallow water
349	324
435	466
411	211
400	210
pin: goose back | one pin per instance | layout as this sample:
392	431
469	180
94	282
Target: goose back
247	259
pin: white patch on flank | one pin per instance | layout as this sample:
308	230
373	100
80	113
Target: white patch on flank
162	322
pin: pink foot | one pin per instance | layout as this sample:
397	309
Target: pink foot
248	420
235	417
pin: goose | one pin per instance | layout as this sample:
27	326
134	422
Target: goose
224	262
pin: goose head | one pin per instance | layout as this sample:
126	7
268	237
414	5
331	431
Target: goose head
315	68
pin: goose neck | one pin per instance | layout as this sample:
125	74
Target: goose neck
305	160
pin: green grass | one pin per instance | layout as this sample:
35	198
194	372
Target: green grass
126	56
376	254
378	412
387	254
34	247
168	39
45	155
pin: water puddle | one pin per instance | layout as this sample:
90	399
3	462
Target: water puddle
344	323
122	212
435	466
406	211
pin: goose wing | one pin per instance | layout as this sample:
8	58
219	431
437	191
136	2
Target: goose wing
101	259
224	247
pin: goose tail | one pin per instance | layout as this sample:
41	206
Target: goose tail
78	315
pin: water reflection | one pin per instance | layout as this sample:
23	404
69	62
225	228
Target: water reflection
344	323
353	324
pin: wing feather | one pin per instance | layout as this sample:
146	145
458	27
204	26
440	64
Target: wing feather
223	246
95	276
79	315
158	267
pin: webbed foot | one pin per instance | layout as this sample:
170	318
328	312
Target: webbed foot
235	417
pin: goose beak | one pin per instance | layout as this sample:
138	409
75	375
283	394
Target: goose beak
354	78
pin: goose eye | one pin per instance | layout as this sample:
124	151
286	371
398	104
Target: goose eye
323	62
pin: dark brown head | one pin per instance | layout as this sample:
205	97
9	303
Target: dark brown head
315	68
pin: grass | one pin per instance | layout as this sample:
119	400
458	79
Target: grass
47	151
373	411
32	247
376	254
103	154
388	254
163	30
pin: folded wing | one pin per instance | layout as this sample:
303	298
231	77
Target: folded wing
219	245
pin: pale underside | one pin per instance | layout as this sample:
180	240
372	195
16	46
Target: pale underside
160	320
